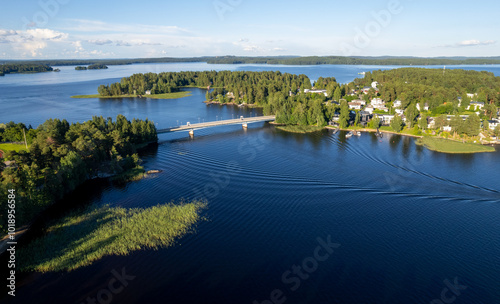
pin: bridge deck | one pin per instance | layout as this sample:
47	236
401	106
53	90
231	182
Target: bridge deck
218	123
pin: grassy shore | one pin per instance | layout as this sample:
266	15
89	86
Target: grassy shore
82	238
12	147
450	146
153	96
299	129
131	175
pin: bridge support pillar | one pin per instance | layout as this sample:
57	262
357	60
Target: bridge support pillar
244	126
191	133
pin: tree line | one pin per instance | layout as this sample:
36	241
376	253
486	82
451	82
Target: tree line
95	66
62	156
24	68
246	87
318	60
440	89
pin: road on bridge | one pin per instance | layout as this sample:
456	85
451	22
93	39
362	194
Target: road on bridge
218	123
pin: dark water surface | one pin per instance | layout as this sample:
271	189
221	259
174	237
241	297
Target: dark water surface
404	218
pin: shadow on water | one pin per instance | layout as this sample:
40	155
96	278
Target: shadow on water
316	139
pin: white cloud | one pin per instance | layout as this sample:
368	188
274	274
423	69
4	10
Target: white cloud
46	34
467	43
31	41
100	41
475	42
7	32
83	25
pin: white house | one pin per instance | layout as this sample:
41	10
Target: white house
447	128
316	91
148	92
377	102
361	101
471	95
374	85
494	123
369	109
476	105
400	111
355	105
397	103
431	122
386	119
426	107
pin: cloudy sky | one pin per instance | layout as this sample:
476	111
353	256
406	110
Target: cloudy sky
63	29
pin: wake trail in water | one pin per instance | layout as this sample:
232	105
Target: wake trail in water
368	156
203	163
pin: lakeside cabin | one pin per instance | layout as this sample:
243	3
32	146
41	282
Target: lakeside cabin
385	119
494	123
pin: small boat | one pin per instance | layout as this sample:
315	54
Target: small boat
348	135
358	133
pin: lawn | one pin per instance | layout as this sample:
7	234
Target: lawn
154	96
450	146
12	147
86	236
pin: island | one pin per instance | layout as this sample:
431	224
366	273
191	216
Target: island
95	66
456	105
12	68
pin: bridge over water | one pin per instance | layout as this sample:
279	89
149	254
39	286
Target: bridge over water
241	121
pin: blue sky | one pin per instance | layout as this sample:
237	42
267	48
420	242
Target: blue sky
57	29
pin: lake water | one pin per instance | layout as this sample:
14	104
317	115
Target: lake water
404	218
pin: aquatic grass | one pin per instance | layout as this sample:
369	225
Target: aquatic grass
450	146
80	239
134	174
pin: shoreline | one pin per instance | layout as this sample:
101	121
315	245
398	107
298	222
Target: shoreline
208	102
173	95
375	131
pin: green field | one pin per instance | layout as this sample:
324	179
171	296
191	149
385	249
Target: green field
299	129
450	146
12	147
84	237
154	96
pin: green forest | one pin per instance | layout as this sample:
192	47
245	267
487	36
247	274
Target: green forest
275	92
252	85
95	66
317	60
439	88
285	60
61	156
24	68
